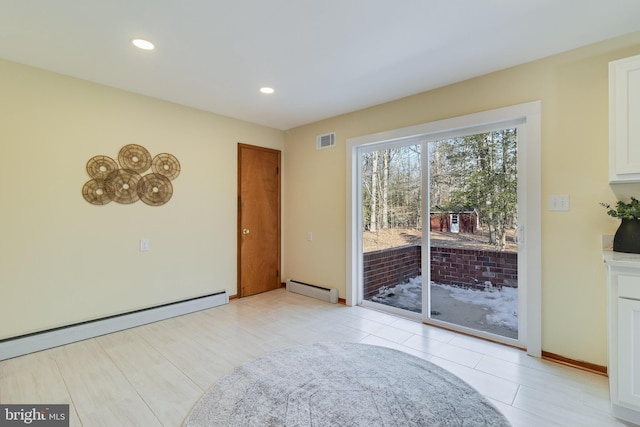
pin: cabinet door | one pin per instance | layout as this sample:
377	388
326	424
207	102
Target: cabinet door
629	352
624	120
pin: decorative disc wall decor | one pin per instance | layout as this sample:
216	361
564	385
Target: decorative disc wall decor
101	166
122	186
167	165
134	157
123	182
95	192
155	189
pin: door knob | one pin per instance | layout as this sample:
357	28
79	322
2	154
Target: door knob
245	231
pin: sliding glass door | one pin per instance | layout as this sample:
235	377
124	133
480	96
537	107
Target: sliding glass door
438	224
473	232
392	193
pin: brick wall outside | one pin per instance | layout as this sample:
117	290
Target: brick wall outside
451	266
390	267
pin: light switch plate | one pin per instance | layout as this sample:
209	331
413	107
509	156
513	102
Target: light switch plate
144	245
559	202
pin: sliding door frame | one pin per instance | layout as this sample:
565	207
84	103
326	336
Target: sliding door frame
527	118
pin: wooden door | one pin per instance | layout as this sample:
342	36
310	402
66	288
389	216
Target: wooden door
258	219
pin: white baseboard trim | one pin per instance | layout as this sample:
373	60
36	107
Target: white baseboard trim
18	346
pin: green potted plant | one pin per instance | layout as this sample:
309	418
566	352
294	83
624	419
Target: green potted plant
627	237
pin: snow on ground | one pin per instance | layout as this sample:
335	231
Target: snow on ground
502	304
407	296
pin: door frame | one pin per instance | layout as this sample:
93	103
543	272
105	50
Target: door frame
239	225
528	117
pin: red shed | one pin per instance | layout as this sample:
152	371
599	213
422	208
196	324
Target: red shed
459	221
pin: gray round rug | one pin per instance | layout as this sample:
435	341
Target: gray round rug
342	384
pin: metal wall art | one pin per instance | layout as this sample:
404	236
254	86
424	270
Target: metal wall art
123	181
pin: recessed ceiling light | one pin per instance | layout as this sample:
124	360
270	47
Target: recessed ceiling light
143	44
267	90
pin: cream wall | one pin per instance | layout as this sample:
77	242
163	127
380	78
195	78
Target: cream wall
573	89
63	260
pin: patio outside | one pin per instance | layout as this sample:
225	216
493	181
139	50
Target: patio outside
483	307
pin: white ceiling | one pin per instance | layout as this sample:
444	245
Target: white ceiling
323	57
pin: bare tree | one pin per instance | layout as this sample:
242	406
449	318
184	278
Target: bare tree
373	221
386	158
391	188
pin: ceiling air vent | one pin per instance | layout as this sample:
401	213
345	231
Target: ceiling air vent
327	140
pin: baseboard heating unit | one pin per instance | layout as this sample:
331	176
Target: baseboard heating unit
18	346
313	291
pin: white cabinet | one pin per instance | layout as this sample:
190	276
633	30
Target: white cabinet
624	120
629	351
623	293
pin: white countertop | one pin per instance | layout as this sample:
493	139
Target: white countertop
621	259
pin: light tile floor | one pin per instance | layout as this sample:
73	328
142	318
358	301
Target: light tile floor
154	374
